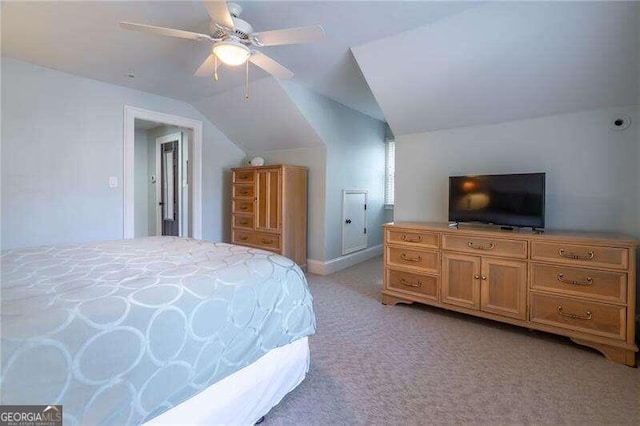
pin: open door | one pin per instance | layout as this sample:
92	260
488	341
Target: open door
169	189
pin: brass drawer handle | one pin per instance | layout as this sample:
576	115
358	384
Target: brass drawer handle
477	277
589	281
244	222
409	283
244	238
411	240
575	316
491	246
265	241
244	192
244	208
406	258
243	177
574	256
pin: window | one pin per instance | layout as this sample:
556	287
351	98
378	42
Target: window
389	171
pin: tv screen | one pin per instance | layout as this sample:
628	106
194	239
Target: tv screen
508	200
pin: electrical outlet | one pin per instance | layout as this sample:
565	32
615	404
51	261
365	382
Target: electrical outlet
113	182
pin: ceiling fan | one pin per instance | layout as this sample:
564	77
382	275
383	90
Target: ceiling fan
233	40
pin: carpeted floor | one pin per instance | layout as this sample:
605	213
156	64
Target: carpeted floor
412	364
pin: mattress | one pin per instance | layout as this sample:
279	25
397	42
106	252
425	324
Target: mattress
119	332
246	395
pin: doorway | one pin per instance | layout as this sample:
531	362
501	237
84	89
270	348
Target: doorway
172	184
162	180
162	175
354	221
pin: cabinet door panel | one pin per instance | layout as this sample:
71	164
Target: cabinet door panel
274	200
503	288
460	280
268	211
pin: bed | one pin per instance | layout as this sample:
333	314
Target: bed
153	330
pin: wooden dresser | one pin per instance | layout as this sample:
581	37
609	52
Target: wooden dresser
269	210
578	285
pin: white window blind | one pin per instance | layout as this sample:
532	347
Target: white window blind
390	170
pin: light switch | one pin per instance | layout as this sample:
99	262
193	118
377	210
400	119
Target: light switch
113	182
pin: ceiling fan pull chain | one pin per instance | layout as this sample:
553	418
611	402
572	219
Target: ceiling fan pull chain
246	87
215	67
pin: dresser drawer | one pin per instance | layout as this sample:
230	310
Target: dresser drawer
412	237
493	246
244	176
423	285
588	317
243	221
257	239
427	261
242	206
243	191
267	241
601	285
241	237
612	257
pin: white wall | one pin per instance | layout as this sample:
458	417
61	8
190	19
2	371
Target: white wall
354	160
593	182
62	137
141	183
315	160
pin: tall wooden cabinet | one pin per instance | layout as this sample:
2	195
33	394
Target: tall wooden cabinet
269	209
578	285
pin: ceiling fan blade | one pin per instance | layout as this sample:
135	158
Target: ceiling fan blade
164	31
219	12
270	66
208	67
290	36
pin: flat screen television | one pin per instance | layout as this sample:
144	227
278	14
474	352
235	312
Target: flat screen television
513	200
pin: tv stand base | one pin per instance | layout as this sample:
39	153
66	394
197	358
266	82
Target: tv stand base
578	285
612	353
392	300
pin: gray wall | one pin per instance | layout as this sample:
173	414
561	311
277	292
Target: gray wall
354	160
593	180
315	160
62	137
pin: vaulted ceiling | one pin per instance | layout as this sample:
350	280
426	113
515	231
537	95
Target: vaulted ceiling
84	38
418	65
506	61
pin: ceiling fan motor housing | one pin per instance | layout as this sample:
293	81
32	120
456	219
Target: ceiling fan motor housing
242	30
234	9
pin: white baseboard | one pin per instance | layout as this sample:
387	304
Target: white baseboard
319	267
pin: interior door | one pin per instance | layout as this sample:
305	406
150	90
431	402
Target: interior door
170	188
354	220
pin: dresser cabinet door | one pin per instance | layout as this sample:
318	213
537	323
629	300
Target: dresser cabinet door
503	288
269	182
461	280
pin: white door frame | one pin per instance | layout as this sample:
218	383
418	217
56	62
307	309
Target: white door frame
130	115
345	192
159	141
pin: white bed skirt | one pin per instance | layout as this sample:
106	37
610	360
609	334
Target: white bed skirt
248	394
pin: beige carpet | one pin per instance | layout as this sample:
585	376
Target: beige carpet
412	364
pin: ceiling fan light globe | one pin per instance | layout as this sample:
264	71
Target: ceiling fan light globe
231	53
